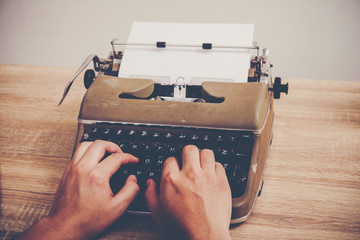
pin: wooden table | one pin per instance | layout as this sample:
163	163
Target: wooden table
312	180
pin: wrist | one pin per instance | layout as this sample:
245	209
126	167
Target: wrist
50	228
43	229
59	229
211	235
65	228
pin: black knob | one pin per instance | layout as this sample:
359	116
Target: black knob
89	77
279	88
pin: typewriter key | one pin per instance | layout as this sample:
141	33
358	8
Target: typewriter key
119	133
85	137
168	136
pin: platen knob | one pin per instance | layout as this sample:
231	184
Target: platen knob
89	77
279	88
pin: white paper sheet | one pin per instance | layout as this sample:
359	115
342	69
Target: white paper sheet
167	65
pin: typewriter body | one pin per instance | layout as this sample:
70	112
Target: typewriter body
154	121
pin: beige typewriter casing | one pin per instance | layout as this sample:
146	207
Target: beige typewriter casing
246	107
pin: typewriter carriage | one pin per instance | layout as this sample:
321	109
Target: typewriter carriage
260	66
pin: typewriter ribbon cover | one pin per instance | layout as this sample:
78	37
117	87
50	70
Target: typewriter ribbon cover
245	105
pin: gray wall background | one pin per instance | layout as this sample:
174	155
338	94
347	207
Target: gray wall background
313	39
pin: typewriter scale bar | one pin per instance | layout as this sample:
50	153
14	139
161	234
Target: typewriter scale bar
154	144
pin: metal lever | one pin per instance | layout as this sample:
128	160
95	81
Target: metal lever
90	58
205	46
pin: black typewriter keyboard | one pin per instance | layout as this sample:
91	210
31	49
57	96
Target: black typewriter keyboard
153	145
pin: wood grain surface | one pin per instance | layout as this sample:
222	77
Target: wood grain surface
312	178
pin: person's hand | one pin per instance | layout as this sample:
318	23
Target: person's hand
84	204
194	202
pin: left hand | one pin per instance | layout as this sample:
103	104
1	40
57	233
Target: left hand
84	204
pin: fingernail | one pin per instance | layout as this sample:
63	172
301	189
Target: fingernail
133	178
148	182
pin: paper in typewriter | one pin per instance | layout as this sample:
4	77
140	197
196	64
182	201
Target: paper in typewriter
193	65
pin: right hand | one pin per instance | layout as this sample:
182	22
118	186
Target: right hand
194	202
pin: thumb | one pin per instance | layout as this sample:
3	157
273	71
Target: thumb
152	197
127	194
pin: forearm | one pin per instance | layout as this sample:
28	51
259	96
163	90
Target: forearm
47	228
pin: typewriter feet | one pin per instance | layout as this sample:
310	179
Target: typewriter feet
260	190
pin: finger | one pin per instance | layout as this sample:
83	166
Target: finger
113	162
96	152
127	194
80	151
220	171
221	174
170	165
207	160
190	157
152	197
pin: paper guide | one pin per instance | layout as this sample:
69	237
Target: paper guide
191	65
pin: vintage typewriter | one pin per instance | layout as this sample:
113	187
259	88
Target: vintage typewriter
155	121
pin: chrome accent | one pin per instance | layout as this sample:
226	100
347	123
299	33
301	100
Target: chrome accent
139	213
180	89
265	76
116	42
83	121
